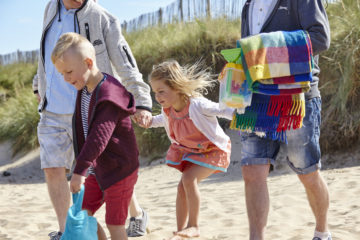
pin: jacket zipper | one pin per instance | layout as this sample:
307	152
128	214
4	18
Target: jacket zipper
91	119
128	56
44	33
87	30
76	20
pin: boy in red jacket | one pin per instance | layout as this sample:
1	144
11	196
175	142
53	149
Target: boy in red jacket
103	135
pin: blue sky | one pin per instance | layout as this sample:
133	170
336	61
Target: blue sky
21	20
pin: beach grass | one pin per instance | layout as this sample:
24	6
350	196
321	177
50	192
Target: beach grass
340	78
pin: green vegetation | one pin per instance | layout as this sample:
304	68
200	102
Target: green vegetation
185	42
340	78
18	106
19	118
15	77
190	42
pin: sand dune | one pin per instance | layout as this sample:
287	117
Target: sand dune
26	212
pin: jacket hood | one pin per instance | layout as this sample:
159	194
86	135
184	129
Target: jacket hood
112	90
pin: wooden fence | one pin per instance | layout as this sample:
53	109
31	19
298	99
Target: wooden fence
19	57
178	11
188	10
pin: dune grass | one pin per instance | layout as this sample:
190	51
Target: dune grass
19	118
340	78
18	106
15	77
185	42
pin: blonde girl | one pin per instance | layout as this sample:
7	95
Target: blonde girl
199	147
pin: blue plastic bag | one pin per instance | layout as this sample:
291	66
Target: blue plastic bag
79	225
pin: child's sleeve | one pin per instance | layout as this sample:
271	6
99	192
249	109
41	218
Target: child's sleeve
158	121
211	108
102	128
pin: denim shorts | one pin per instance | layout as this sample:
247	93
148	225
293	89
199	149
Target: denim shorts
55	139
303	148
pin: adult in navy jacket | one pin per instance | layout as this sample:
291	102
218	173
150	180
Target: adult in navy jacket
303	149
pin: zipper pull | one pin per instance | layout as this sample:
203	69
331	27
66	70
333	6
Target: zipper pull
87	30
128	56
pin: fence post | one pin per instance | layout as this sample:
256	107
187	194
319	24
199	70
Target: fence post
124	26
160	16
189	10
181	10
208	13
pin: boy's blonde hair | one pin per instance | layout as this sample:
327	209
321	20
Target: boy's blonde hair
75	42
189	80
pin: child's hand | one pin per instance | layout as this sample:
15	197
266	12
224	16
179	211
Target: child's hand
148	123
75	183
143	118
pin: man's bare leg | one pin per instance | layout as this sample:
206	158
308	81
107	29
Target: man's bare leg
59	193
257	199
318	196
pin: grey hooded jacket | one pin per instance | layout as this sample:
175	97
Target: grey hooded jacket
290	15
113	55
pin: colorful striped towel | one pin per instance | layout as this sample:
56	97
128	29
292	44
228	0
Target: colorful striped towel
272	115
275	58
276	54
281	89
278	70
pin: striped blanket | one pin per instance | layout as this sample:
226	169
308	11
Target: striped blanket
278	70
276	54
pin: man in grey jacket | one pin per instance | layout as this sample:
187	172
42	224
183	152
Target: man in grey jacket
57	98
303	149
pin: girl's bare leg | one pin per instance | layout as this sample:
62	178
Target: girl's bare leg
176	237
181	207
134	207
117	232
190	179
100	231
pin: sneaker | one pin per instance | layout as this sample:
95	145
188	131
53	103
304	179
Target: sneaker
137	226
316	238
55	235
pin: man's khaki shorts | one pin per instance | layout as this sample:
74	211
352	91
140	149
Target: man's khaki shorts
55	138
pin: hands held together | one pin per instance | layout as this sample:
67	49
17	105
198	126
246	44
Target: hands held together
142	117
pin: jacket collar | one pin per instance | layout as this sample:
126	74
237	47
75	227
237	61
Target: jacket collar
268	20
84	9
246	16
87	4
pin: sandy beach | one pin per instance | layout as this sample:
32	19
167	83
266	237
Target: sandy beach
26	212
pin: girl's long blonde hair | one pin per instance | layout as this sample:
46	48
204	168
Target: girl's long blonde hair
189	80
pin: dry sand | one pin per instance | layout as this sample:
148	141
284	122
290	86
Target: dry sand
26	212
